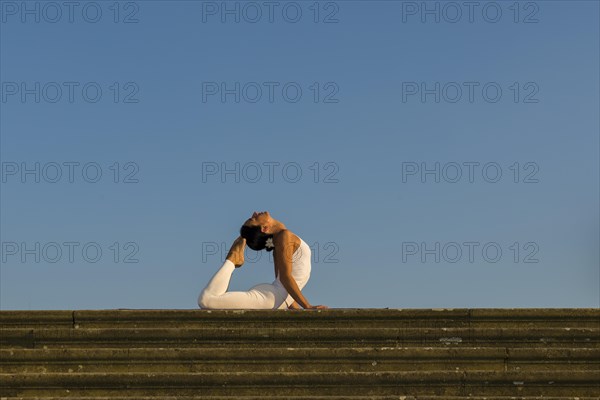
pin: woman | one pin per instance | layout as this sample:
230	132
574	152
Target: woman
291	256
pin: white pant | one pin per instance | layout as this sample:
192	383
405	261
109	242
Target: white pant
261	296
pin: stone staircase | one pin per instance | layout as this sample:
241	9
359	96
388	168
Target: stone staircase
132	354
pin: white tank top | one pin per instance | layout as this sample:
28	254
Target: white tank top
300	264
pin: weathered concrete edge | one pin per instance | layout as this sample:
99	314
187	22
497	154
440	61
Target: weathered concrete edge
71	317
400	354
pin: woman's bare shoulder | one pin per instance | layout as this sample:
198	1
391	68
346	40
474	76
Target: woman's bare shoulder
287	237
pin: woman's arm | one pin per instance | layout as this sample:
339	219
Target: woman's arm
294	306
282	256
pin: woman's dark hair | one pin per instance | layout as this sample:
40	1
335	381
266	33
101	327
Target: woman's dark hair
255	238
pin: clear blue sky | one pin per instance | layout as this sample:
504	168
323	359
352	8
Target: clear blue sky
365	132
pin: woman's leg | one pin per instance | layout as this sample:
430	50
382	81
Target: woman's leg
219	283
215	295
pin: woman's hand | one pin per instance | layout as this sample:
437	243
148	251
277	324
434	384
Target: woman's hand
236	252
319	307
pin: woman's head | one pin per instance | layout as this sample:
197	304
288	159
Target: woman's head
257	230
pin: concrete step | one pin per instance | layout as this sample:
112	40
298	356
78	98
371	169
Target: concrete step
312	337
369	318
551	383
333	397
296	359
308	397
343	353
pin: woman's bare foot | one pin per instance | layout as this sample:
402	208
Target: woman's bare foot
236	252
